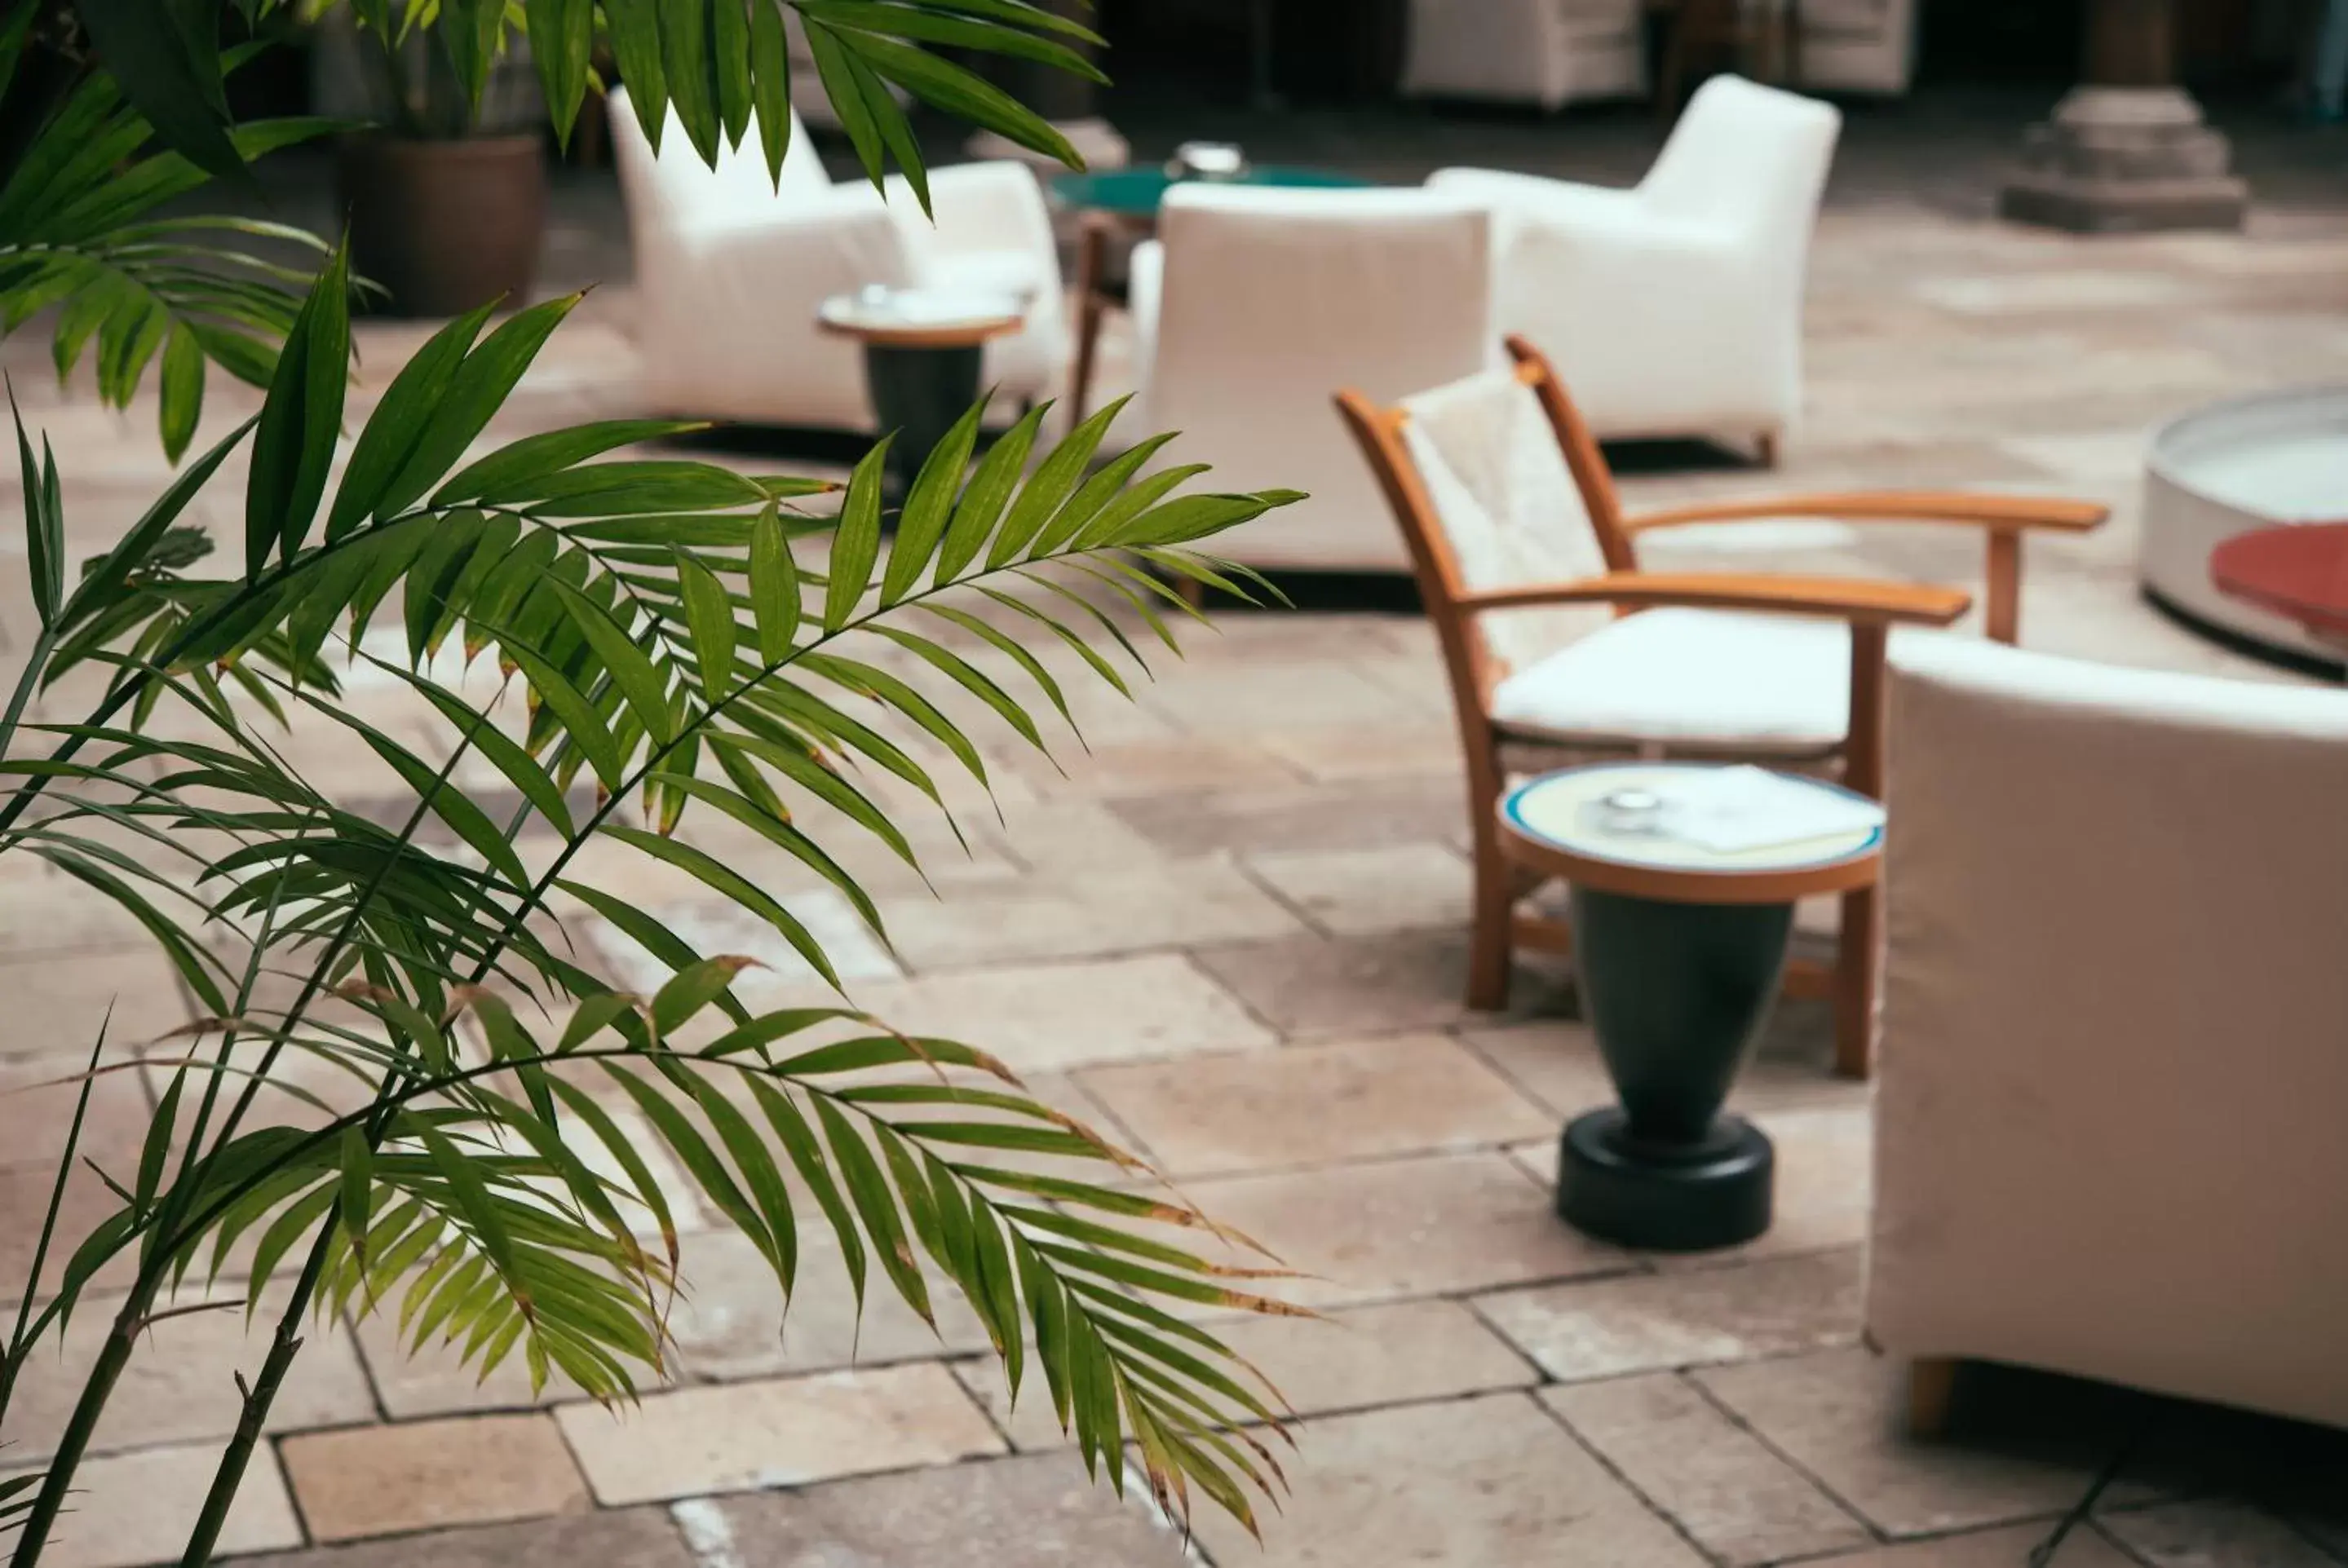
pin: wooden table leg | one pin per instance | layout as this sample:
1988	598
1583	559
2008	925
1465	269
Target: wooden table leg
1092	301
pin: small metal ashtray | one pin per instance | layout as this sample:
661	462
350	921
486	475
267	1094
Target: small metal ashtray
1627	811
1206	160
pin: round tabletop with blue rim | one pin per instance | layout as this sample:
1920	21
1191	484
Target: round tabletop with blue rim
1134	194
1547	824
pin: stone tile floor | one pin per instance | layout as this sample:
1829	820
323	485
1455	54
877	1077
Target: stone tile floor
1232	932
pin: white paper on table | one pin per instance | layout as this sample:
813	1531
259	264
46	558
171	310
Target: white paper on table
1732	810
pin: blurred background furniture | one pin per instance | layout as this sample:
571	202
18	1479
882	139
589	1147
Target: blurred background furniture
1545	52
1119	208
922	355
1521	545
1673	308
2235	468
1760	38
2299	573
1254	301
1866	47
2107	1122
731	273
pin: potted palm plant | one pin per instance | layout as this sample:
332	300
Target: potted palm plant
445	191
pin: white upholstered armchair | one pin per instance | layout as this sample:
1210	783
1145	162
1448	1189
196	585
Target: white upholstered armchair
1673	308
730	271
1255	300
2115	1046
1545	52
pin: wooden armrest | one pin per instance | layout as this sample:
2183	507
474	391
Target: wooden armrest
1991	511
1861	600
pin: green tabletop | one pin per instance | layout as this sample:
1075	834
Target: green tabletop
1136	192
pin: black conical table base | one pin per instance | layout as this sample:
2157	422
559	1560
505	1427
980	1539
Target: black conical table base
1675	993
1673	1197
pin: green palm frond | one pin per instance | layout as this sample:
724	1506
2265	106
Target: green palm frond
631	644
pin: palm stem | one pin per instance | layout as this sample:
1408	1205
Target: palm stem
282	1346
96	1391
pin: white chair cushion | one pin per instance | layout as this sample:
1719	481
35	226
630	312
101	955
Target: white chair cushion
1702	680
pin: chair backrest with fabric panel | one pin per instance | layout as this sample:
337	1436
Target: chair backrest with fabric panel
1495	483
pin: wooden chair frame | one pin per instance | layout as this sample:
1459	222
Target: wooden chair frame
1870	607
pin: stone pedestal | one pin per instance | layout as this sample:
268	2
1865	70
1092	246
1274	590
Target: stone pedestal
2126	159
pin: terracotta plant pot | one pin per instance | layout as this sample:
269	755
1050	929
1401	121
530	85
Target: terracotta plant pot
444	226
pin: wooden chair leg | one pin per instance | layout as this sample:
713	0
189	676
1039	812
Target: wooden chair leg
1931	1384
1764	448
1491	952
1858	962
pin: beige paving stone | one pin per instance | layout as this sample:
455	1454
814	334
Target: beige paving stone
1465	1483
1367	892
1150	765
713	928
2009	1548
1404	1227
1557	1062
1305	1104
1719	1483
1229	700
629	1538
38	1096
1825	1178
25	1194
2213	1534
1339	755
1605	1327
1038	1512
433	1380
133	1509
56	1003
1300	819
1312	988
1039	1018
1355	1358
472	1469
1117	908
749	1436
1841	1416
730	1322
180	1382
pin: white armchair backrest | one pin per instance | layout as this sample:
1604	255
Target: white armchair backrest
1507	504
673	192
2101	878
1745	157
1273	298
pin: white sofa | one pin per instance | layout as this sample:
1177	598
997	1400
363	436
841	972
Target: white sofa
1545	52
1673	308
2115	1052
1255	303
730	271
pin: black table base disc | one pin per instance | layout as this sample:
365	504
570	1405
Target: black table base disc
1711	1193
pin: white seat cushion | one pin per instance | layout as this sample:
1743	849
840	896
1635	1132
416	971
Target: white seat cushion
1772	685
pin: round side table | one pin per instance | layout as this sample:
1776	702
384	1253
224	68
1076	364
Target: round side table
922	349
1680	950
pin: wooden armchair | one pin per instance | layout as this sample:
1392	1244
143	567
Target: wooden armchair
1521	549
